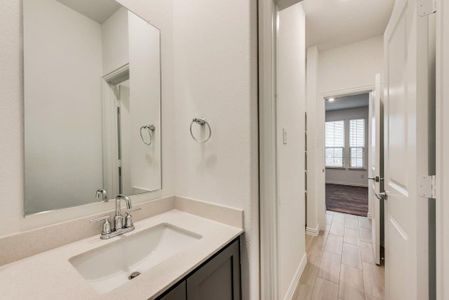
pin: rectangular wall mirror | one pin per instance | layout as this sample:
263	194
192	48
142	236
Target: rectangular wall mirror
92	103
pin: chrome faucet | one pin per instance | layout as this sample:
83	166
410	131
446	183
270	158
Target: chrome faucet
122	224
121	221
102	195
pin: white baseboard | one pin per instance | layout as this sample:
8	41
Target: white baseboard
295	282
313	231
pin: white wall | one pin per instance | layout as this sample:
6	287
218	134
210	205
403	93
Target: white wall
291	87
115	41
349	176
159	12
350	66
342	69
145	103
215	78
62	53
128	38
313	156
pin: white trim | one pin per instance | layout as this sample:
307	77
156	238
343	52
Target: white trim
442	148
110	139
348	92
267	151
294	284
117	75
267	16
313	231
319	132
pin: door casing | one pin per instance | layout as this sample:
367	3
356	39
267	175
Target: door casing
320	164
442	149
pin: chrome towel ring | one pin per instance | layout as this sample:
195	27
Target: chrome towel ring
203	123
150	128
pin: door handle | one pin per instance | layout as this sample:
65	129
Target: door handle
381	196
376	179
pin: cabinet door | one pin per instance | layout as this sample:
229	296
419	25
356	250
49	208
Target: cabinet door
178	293
218	279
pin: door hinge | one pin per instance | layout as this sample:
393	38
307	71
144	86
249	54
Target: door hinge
426	7
428	187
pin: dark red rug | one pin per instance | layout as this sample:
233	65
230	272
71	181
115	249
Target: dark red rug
347	199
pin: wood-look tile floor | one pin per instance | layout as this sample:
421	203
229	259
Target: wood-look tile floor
341	262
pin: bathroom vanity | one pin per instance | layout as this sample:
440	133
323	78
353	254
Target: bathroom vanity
182	253
218	278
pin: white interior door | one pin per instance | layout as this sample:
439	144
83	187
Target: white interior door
406	104
374	166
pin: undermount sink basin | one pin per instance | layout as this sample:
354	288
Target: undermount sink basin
111	266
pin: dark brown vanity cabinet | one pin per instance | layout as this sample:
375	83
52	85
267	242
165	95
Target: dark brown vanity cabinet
179	292
216	279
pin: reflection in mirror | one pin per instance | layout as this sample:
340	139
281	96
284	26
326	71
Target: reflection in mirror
92	103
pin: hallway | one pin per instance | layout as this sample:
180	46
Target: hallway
341	262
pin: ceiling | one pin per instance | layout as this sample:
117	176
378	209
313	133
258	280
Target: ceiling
333	23
97	10
348	102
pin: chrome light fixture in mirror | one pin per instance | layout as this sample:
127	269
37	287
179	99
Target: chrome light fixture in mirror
92	102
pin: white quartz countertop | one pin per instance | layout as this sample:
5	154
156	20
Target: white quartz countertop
50	275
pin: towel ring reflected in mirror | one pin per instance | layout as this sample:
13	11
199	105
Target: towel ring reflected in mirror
150	129
203	123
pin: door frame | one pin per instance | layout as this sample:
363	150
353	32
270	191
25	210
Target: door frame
320	163
268	205
442	148
268	285
109	127
268	192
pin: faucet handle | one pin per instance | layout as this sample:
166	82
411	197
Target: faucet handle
106	225
129	218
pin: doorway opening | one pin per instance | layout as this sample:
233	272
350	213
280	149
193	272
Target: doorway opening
346	154
392	38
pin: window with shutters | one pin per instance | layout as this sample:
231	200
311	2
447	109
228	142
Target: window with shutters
335	144
357	143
